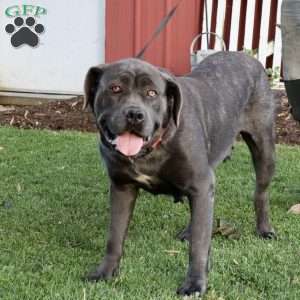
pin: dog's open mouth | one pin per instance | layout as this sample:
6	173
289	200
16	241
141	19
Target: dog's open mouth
128	143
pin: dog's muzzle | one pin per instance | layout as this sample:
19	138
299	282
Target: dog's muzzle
130	140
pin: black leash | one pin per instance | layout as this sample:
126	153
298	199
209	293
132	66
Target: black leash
163	23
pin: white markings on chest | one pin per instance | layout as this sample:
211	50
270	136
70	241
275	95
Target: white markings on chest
145	179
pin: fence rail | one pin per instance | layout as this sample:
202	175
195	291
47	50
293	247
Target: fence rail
245	24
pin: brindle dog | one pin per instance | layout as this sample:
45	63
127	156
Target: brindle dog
166	134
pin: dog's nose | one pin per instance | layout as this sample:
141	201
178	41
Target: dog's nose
134	115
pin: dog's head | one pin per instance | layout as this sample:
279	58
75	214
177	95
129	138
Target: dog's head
133	102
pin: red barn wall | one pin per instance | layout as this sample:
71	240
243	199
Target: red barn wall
130	23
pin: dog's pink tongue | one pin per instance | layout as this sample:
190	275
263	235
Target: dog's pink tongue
129	144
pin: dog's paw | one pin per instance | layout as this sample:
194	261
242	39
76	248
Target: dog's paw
192	286
185	234
103	272
268	234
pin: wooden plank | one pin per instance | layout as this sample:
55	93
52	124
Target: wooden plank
242	25
264	31
235	18
200	24
220	24
12	98
227	23
257	22
249	24
271	33
204	29
213	23
277	56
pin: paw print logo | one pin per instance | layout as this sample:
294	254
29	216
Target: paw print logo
24	32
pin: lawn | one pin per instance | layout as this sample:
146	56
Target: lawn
54	211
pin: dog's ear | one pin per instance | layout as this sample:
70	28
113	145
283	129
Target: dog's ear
173	93
91	84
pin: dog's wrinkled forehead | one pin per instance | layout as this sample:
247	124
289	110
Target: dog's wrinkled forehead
133	71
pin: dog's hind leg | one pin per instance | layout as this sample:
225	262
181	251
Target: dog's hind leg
262	148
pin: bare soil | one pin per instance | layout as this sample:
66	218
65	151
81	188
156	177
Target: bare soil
68	115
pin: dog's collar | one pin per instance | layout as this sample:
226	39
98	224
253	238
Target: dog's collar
156	143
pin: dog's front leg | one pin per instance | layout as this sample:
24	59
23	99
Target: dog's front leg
122	200
201	204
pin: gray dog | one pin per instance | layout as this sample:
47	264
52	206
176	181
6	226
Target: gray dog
167	134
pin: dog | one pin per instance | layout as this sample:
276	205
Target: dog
167	134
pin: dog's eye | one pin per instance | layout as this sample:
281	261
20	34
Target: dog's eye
151	93
116	89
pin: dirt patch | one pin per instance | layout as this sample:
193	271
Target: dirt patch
68	115
58	115
287	129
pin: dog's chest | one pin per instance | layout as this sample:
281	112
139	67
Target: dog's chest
155	183
150	174
146	179
147	171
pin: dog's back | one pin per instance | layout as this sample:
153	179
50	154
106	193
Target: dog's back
231	94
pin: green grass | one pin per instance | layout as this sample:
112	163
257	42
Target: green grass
54	211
